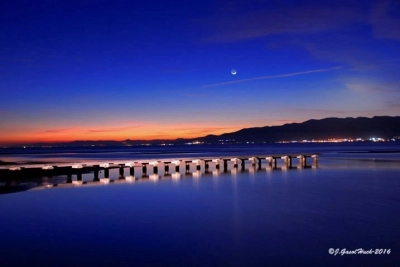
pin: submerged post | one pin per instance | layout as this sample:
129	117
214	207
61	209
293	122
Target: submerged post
259	163
79	175
131	166
269	160
96	173
225	165
199	163
243	164
217	163
121	170
187	167
166	168
206	166
177	163
105	167
302	161
315	160
78	168
274	162
69	175
235	162
254	161
288	161
155	166
144	169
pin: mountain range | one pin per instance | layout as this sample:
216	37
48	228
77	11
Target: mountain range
362	127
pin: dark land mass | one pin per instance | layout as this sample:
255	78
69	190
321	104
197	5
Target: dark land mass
383	127
380	126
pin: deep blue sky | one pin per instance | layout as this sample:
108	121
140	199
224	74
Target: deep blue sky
162	69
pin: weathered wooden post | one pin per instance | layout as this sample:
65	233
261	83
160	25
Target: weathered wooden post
79	175
69	175
259	163
96	173
121	170
304	161
78	170
155	166
144	169
225	165
177	164
166	168
269	160
217	163
187	167
243	164
105	168
288	161
315	160
131	166
206	166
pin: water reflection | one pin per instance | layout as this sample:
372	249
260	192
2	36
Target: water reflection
130	179
105	180
152	172
176	176
154	177
178	170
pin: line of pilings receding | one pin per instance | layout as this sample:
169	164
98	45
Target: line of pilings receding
168	166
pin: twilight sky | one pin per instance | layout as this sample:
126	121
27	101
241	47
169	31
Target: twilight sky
92	70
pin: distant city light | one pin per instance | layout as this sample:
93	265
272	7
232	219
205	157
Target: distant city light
339	140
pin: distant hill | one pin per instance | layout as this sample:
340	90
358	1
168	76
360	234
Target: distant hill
382	126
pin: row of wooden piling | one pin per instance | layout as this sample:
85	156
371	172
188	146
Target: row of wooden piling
169	166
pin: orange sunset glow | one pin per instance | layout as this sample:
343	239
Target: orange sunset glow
117	132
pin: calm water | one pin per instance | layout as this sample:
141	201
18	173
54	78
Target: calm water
344	150
251	218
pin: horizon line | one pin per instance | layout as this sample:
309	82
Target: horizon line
28	143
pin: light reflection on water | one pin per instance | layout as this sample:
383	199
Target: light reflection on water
388	150
247	218
238	218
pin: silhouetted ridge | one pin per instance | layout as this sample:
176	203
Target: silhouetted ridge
382	126
361	127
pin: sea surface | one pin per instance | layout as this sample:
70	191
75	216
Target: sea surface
266	217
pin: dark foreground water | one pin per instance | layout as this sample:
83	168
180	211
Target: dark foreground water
251	218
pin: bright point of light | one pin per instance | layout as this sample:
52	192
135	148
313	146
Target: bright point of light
233	71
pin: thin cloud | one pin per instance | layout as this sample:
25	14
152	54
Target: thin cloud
341	48
115	129
236	25
272	77
393	104
62	130
387	109
286	121
383	23
374	87
324	112
206	130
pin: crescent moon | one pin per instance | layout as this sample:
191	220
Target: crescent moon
233	71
